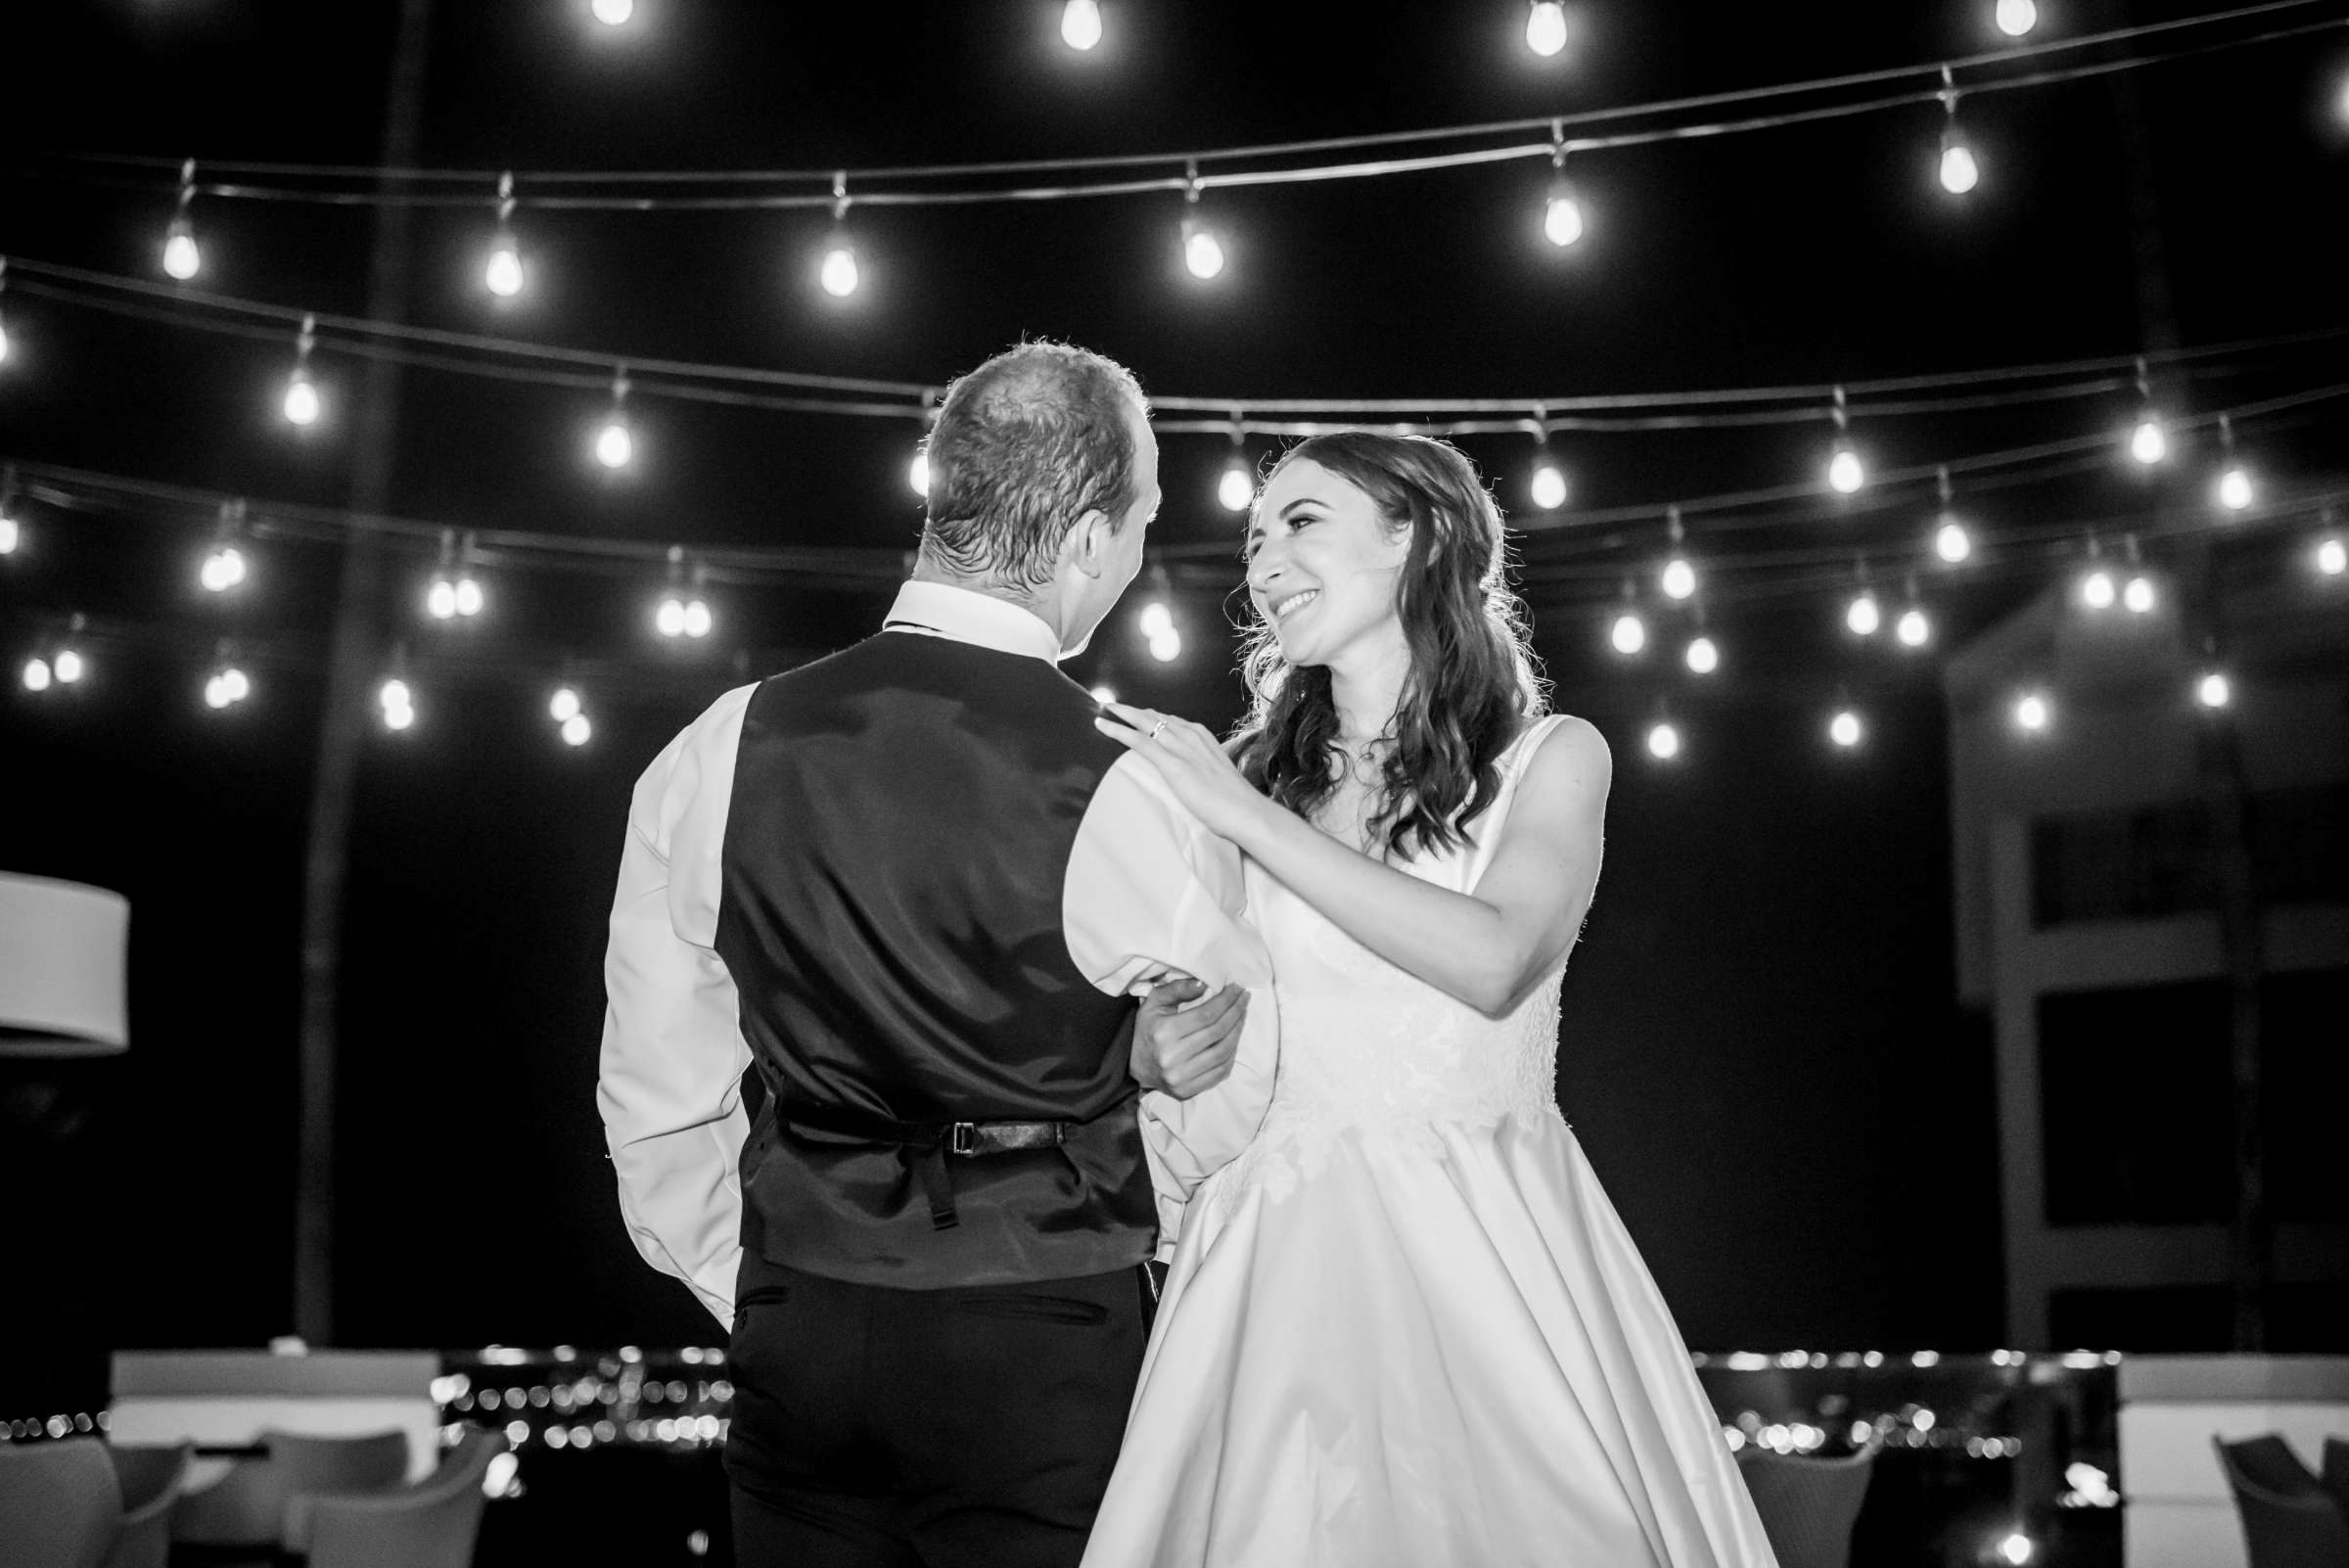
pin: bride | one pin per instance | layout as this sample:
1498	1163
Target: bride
1405	1327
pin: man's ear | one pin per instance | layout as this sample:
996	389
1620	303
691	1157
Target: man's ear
1089	541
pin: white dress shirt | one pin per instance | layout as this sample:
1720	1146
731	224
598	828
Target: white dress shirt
1150	894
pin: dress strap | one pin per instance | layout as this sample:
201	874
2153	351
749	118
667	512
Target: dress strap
1484	831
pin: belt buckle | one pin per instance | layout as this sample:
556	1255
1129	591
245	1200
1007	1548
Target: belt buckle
962	1137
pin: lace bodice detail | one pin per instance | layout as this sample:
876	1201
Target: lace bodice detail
1366	1047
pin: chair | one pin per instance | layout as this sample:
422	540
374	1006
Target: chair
2335	1475
1808	1505
431	1524
2290	1518
152	1480
247	1507
59	1505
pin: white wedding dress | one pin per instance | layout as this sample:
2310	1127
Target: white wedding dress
1405	1330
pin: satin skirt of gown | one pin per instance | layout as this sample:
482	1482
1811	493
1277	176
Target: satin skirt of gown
1406	1328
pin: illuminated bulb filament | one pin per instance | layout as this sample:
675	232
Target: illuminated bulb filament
614	12
2030	711
2235	488
1703	657
2332	557
301	399
563	705
181	258
1550	486
2097	590
576	730
917	475
1913	629
1663	742
1951	542
440	599
69	666
839	274
1166	646
668	619
2212	690
1545	27
222	570
2	343
504	274
1202	253
468	597
697	619
36	673
1679	577
1844	728
2138	596
1236	488
613	446
2147	443
2016	17
1629	633
1562	220
1080	23
10	536
1845	475
1959	173
1863	614
1155	620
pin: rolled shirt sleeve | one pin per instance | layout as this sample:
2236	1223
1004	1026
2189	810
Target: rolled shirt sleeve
1152	894
669	1080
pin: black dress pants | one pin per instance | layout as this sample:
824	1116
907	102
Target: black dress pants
881	1428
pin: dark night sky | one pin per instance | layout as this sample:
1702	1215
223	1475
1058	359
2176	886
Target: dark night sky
1762	1047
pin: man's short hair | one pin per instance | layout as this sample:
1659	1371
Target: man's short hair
1024	446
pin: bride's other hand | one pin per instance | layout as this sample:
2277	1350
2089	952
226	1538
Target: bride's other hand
1192	761
1183	1045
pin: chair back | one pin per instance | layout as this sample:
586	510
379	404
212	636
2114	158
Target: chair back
152	1477
2335	1474
59	1505
2290	1518
431	1524
1808	1505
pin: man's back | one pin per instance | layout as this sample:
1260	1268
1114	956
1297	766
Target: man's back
903	819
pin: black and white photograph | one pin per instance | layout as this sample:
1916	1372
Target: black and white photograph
1174	784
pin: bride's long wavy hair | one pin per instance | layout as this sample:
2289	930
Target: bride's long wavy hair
1472	682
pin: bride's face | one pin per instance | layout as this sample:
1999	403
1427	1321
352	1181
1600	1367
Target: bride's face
1322	564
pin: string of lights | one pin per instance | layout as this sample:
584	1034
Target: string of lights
1932	82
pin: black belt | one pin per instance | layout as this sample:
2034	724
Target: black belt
935	1140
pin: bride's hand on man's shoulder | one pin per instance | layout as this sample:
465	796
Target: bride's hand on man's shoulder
1194	763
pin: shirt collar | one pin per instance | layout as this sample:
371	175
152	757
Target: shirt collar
942	611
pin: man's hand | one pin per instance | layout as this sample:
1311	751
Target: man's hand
1185	1051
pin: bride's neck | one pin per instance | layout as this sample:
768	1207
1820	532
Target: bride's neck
1366	685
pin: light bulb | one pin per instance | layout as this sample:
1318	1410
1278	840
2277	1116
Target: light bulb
10	536
1562	220
917	475
1863	614
576	729
2016	17
2138	596
1679	577
2096	589
698	621
1629	634
2	343
1702	656
1105	693
2332	557
440	599
1166	646
181	258
1844	728
223	568
2016	1549
394	693
1550	486
2235	488
468	597
1155	620
233	683
669	619
839	274
613	13
1545	27
1663	742
1080	23
1912	629
1959	173
69	666
216	693
1951	542
301	399
1202	253
398	718
1845	474
2032	711
504	274
563	705
36	673
1236	488
613	446
2211	691
2147	443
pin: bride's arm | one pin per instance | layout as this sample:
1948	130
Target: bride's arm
1488	948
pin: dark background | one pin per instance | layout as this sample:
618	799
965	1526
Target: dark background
1762	1049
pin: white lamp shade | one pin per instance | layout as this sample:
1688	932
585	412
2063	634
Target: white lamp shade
61	968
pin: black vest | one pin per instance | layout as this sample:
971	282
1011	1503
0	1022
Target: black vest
897	843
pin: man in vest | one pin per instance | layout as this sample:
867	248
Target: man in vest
912	895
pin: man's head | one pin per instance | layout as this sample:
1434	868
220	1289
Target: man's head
1043	475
